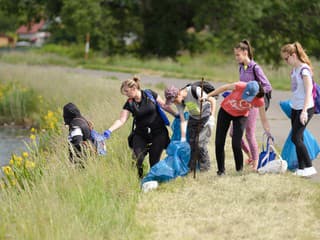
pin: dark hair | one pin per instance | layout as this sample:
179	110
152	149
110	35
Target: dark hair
260	94
245	45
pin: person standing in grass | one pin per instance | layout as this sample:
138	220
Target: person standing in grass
302	103
249	70
184	99
236	108
149	134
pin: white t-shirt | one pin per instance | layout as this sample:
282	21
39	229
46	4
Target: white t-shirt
297	87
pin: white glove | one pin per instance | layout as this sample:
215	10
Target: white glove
303	117
211	122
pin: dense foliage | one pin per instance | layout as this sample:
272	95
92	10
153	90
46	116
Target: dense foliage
169	27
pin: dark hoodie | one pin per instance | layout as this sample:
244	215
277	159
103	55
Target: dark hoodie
79	130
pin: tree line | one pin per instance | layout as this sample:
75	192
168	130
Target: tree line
166	28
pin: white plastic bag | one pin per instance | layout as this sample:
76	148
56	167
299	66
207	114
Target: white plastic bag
150	185
276	166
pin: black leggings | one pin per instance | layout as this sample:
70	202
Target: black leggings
153	144
304	160
223	124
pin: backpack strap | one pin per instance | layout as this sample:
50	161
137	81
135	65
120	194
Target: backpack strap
159	109
303	68
254	73
194	91
149	95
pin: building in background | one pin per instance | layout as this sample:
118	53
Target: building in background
7	41
33	34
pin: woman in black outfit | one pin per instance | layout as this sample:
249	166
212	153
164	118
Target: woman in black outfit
150	132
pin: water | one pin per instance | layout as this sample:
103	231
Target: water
11	141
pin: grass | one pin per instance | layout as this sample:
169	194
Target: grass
214	67
104	201
233	207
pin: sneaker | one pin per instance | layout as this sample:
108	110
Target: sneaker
308	172
299	172
220	173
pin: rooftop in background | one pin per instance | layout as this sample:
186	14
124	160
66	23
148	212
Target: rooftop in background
33	28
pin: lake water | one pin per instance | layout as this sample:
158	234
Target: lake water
11	141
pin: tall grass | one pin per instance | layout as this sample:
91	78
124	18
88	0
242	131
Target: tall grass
97	202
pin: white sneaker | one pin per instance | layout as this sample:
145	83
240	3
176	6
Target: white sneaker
308	172
299	172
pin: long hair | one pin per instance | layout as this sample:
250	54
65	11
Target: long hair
245	45
130	83
260	94
296	48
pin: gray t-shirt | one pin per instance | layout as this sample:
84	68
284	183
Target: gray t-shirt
192	105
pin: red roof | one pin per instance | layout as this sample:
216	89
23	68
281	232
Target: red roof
34	27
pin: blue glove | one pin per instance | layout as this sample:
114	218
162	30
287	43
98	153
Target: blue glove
226	94
107	134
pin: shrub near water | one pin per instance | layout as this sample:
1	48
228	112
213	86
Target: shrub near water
18	104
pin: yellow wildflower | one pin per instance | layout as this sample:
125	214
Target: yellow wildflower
13	182
25	154
7	170
33	137
50	114
11	162
33	130
29	164
18	161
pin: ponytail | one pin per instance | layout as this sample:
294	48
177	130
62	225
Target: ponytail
245	45
296	48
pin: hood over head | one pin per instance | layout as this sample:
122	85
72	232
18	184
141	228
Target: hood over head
70	111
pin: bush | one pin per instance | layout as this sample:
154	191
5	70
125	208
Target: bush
18	104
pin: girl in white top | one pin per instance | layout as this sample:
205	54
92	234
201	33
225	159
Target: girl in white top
302	102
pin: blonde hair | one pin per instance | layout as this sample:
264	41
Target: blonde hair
296	48
245	45
130	83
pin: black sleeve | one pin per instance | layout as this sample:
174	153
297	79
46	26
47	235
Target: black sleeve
128	106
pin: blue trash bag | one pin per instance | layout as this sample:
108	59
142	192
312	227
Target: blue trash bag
172	166
288	152
176	130
176	162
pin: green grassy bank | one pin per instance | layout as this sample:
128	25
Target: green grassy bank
104	201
